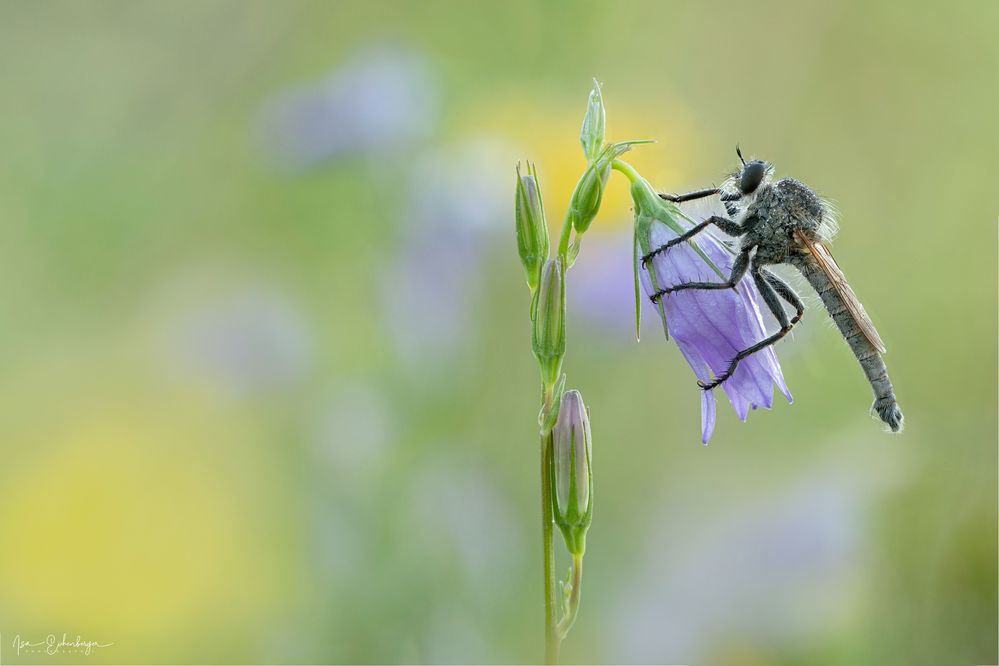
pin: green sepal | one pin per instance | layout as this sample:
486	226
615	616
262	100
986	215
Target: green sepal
546	420
570	257
638	286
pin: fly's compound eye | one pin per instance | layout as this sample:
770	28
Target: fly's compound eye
752	176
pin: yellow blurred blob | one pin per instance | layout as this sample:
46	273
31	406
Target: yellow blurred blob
550	132
141	530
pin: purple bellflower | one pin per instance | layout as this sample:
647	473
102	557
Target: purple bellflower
709	326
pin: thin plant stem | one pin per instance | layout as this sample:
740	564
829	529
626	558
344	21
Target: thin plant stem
552	636
627	170
577	581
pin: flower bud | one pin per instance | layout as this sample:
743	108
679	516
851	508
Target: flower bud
572	479
592	133
589	192
548	334
532	229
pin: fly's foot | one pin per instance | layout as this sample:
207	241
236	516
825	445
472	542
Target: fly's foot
659	250
656	297
720	379
648	257
707	386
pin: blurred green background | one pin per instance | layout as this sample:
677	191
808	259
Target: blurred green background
267	393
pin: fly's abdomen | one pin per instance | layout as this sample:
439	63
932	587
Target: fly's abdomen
867	354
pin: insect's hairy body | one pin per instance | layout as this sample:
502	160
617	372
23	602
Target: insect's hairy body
771	214
787	223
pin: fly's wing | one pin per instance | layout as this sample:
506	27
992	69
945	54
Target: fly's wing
838	280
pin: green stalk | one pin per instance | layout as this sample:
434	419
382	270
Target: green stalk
563	243
627	170
553	638
577	581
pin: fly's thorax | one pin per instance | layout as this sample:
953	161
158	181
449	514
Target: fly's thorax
779	211
799	204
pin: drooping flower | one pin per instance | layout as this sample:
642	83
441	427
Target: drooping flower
709	326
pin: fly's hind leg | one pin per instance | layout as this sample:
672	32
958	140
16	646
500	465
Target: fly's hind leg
784	290
770	287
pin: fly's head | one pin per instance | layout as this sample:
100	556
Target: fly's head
753	174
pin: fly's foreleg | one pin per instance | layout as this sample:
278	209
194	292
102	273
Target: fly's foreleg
771	288
728	226
739	267
690	196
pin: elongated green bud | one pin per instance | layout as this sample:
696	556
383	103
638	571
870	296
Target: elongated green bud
532	229
572	479
592	133
585	202
589	192
548	335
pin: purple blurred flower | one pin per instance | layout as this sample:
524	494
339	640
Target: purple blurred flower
248	342
798	544
454	210
602	287
380	101
709	327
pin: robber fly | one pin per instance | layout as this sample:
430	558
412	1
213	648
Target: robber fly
785	222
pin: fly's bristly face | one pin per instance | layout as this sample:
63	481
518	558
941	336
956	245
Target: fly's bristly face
752	175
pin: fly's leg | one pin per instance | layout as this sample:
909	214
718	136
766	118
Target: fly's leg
728	226
770	287
784	290
690	196
739	267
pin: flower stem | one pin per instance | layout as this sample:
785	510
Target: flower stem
577	580
552	636
563	243
626	169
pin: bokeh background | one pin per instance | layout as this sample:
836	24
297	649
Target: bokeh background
267	394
